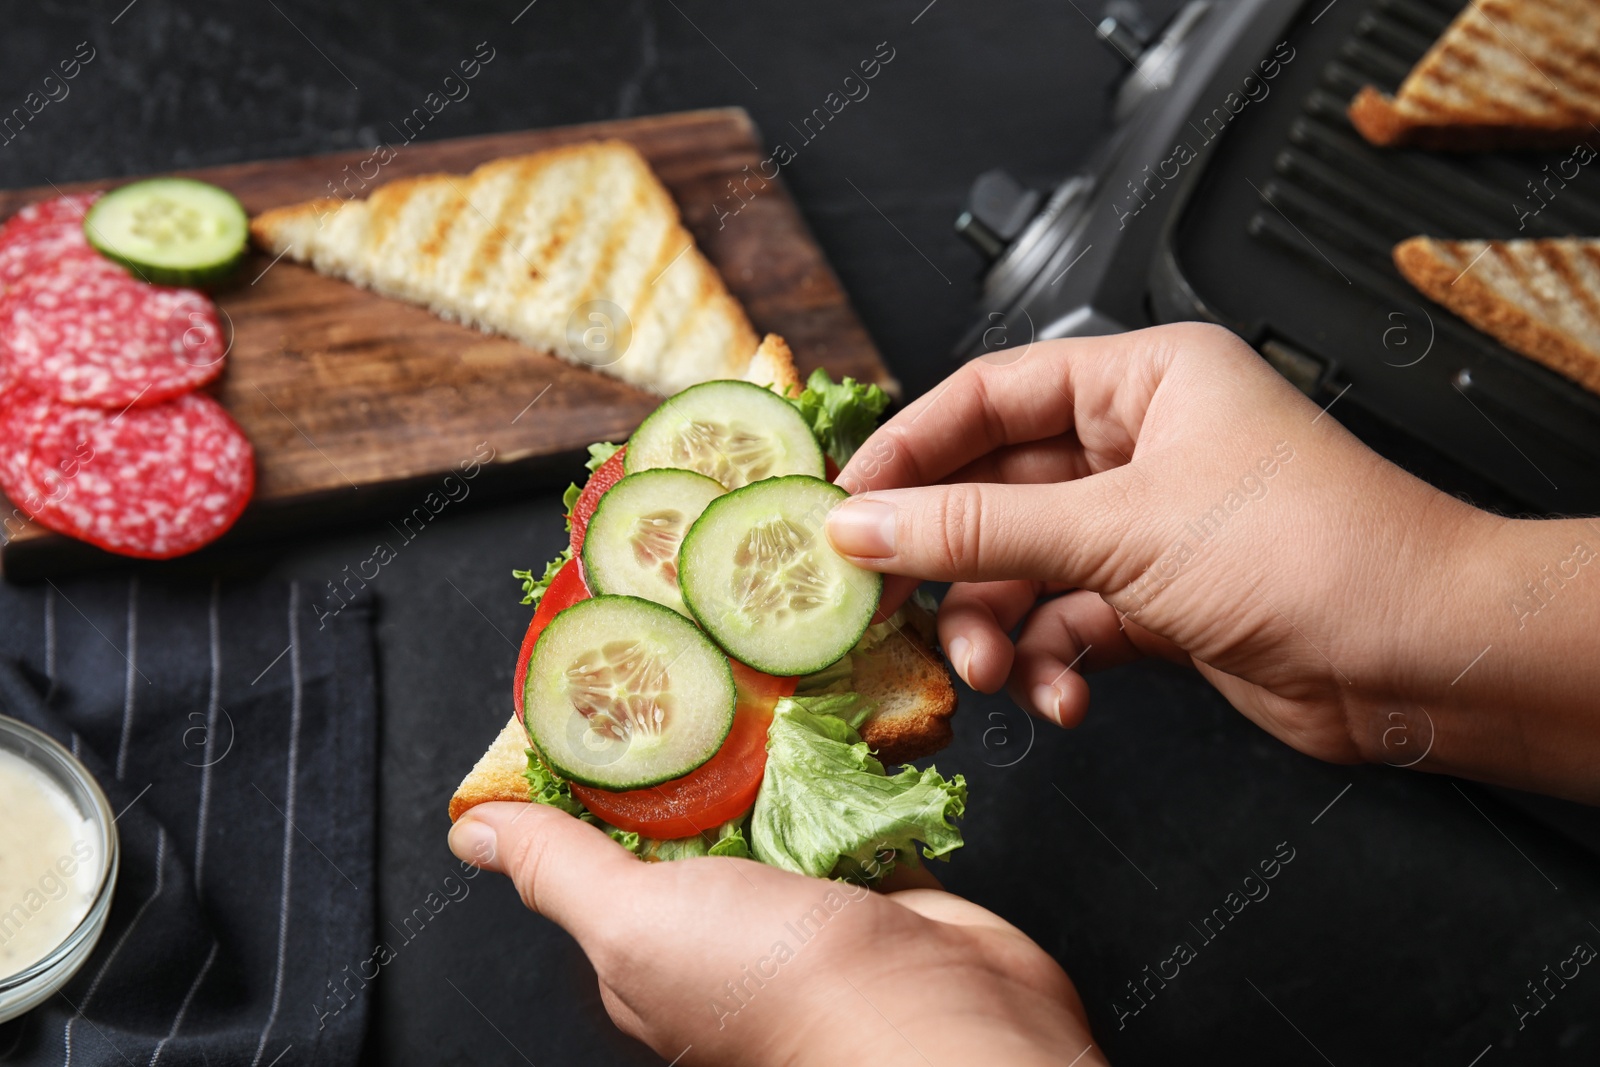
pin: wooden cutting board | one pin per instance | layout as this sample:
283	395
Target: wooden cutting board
359	407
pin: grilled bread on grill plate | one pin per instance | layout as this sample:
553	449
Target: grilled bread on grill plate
1538	297
1505	74
521	245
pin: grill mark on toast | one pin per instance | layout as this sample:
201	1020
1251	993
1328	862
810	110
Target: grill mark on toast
1519	74
538	267
1524	271
506	223
430	246
1551	47
1590	253
1452	254
616	236
1560	264
1524	79
698	305
1584	251
668	247
579	221
384	208
1501	298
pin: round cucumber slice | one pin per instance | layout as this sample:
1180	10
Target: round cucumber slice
623	694
631	544
758	572
732	431
170	231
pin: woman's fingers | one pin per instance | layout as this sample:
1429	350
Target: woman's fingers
1063	640
554	860
975	623
625	1017
944	907
1057	459
1090	533
897	589
905	877
1093	388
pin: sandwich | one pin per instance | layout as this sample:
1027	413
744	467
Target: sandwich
577	251
703	674
1540	298
1504	74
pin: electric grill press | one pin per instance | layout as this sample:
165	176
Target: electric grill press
1233	189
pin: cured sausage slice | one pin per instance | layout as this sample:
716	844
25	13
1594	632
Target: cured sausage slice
83	331
153	482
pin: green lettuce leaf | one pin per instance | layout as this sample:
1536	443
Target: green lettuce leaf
732	844
827	807
599	453
853	708
837	677
533	589
546	788
628	839
729	840
841	416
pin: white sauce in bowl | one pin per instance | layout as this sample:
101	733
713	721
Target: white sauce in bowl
48	867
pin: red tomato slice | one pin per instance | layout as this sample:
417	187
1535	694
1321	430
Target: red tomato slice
604	477
722	788
566	589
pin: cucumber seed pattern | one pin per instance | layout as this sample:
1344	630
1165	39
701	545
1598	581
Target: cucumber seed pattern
163	220
620	687
728	452
775	575
655	541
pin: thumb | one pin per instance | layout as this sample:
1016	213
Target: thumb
555	860
1087	533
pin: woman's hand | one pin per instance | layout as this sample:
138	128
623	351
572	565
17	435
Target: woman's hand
1192	505
725	961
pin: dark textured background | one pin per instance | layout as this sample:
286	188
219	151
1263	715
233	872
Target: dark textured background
1407	922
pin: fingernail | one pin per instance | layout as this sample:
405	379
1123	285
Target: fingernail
1047	699
960	652
863	527
473	842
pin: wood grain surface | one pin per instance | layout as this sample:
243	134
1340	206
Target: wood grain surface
354	401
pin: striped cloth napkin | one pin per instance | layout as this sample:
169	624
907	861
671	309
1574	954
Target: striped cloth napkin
236	739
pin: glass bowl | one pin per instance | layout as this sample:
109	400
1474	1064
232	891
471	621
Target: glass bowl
32	985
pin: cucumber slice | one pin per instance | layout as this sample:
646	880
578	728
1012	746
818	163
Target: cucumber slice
170	231
758	572
631	544
732	431
624	694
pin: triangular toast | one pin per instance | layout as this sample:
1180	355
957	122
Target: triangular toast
904	674
532	247
1505	74
1537	297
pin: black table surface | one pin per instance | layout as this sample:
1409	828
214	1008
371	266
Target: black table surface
1414	909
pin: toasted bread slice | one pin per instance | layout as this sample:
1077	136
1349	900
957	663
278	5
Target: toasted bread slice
1540	298
1505	74
535	247
772	365
905	675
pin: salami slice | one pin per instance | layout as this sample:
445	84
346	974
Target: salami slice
60	210
152	482
85	332
37	246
